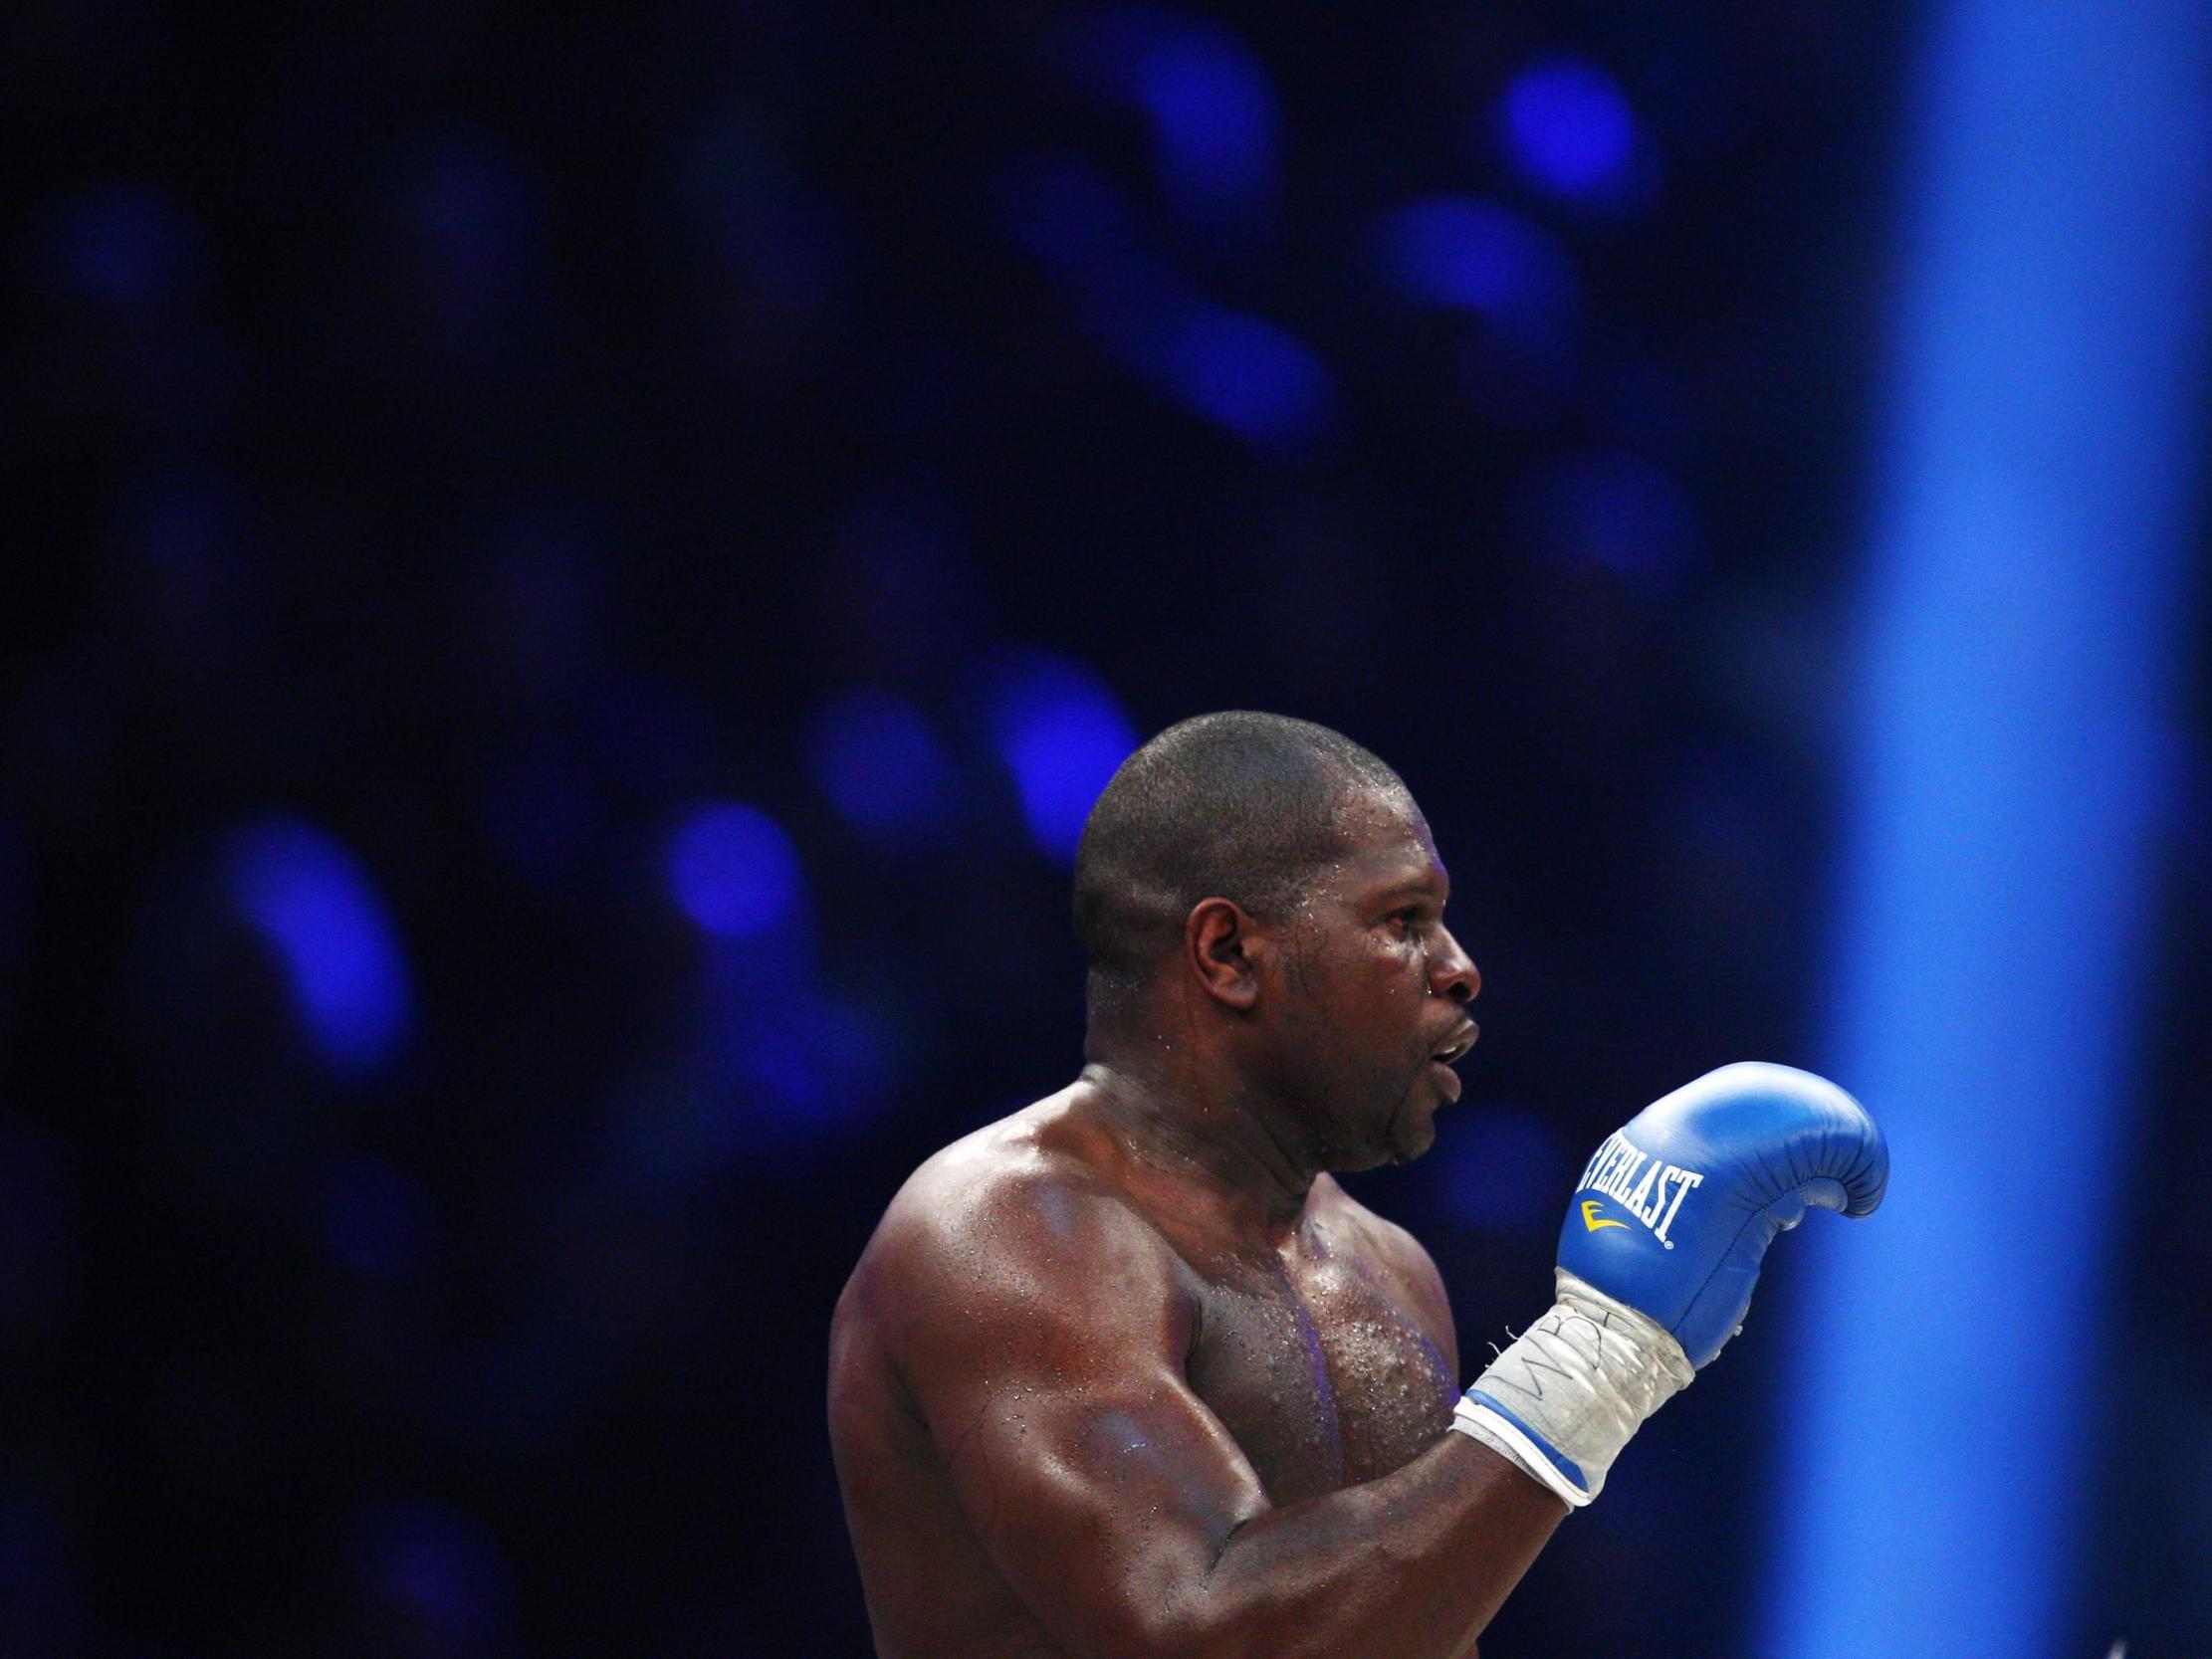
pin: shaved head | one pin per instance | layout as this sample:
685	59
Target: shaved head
1241	806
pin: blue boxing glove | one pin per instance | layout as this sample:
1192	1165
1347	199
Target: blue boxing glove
1657	1257
1674	1213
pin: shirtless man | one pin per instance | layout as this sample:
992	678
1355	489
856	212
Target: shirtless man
1128	1374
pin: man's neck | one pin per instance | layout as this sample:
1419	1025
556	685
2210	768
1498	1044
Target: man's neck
1234	1143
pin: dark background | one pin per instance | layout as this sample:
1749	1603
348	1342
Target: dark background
573	571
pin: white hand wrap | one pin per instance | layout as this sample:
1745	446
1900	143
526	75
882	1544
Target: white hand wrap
1564	1398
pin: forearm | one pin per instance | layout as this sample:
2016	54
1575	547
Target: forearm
1409	1566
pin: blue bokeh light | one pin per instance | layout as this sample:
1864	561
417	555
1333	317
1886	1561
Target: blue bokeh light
1614	511
1569	131
1080	226
1061	734
440	1564
1063	213
1243	373
812	1064
1208	99
1247	375
311	901
1214	113
733	871
1458	251
883	765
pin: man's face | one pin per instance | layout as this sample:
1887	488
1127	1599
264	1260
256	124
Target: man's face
1372	990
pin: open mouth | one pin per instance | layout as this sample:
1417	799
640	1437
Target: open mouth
1458	1046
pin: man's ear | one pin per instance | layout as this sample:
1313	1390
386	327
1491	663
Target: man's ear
1224	950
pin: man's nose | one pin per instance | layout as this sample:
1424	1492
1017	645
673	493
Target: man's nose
1452	974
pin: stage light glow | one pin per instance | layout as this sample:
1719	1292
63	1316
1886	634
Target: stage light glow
313	902
733	871
1614	511
1061	734
1063	212
1569	129
1457	251
883	765
811	1065
1243	372
2009	680
1203	94
1248	375
1236	371
1212	110
441	1565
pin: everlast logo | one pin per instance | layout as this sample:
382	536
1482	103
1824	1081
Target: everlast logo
1651	1191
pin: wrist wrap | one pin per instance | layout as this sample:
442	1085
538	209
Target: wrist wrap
1563	1400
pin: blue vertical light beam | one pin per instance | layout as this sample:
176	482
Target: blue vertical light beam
2020	624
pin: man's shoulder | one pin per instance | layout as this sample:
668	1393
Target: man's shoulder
1014	1206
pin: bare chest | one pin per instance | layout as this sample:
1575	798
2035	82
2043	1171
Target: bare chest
1322	1377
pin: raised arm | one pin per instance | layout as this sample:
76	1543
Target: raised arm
1042	1332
